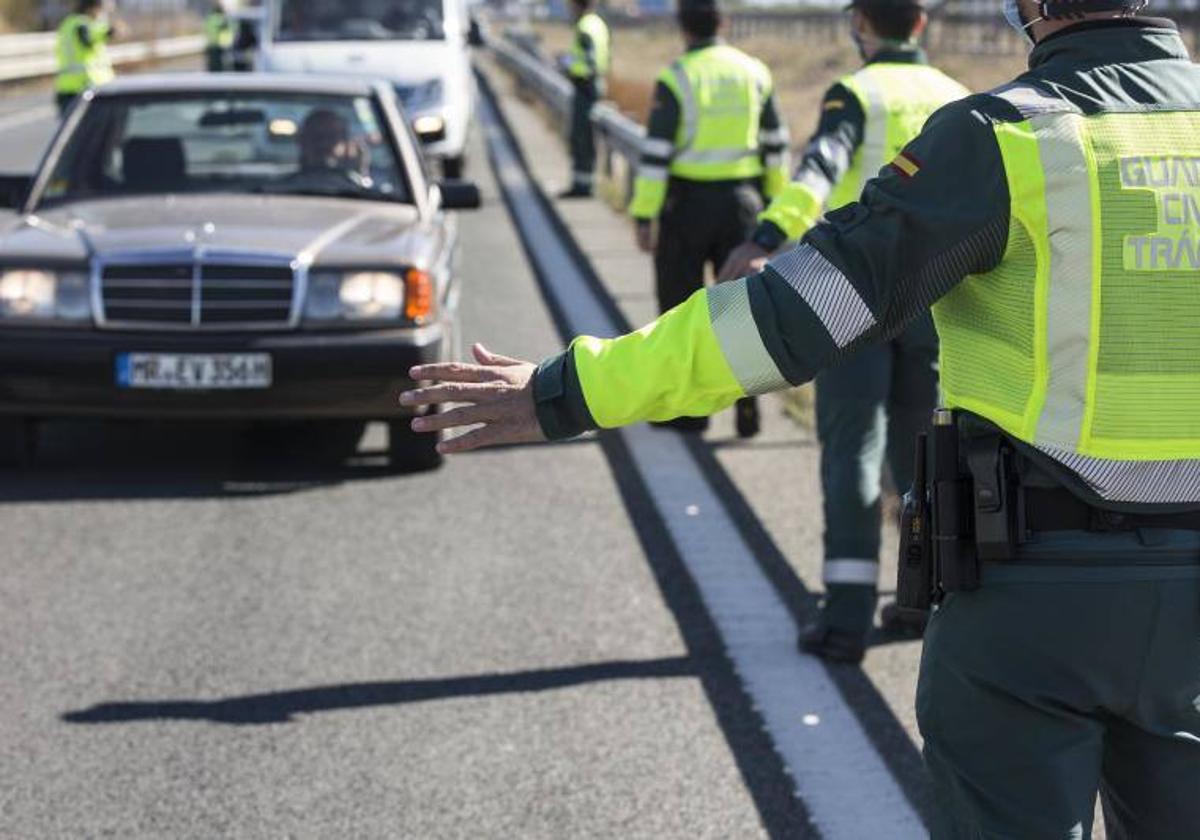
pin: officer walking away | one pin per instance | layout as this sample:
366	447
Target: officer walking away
586	65
871	406
714	147
1049	225
218	36
82	48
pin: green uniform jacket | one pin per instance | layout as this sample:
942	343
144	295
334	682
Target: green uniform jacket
937	215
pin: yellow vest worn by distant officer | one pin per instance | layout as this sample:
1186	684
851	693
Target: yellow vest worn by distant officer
896	100
721	92
596	66
218	32
1085	340
82	66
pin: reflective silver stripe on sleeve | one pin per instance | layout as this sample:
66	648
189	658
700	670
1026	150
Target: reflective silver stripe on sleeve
817	185
1069	300
737	333
847	570
655	147
652	173
833	152
827	291
1030	101
773	135
775	160
687	104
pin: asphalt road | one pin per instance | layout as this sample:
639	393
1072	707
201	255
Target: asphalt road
203	640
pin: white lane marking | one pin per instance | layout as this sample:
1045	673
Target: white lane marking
839	776
42	112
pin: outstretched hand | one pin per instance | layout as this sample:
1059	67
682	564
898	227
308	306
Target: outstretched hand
498	392
747	258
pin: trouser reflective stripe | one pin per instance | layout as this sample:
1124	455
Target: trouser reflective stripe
846	570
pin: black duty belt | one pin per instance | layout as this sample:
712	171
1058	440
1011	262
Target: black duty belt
1052	509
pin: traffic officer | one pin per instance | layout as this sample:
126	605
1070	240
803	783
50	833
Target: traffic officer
586	65
714	147
82	49
871	406
218	36
1053	225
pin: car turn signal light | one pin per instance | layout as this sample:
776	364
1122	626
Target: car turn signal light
418	297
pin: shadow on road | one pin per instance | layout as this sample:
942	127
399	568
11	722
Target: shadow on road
82	460
281	706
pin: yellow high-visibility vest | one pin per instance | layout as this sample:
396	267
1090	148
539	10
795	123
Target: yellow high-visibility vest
896	100
1085	341
218	31
81	66
597	65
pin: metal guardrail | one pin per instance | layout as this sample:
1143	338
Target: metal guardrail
619	139
32	56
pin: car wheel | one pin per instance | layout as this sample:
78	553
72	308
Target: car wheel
18	441
321	440
411	451
453	167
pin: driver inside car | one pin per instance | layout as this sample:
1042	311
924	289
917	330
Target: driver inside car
326	146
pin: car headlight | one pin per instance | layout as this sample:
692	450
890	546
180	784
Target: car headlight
34	296
362	297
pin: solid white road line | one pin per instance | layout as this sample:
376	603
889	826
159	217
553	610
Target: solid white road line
839	776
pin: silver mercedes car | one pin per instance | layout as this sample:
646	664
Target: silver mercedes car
217	246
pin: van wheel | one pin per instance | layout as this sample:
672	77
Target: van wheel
410	451
18	441
453	167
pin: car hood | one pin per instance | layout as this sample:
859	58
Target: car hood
325	231
406	62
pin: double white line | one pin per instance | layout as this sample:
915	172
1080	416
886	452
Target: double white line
841	779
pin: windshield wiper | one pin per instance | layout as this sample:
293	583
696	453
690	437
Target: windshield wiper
323	192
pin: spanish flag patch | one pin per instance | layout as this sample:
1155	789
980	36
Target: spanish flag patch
906	165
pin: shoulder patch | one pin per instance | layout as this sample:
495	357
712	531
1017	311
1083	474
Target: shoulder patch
834	105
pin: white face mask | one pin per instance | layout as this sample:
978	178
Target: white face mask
1012	14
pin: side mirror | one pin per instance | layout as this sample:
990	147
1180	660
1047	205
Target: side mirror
460	195
14	189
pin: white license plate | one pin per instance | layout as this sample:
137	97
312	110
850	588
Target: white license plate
179	371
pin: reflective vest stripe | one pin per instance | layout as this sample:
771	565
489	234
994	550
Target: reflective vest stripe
873	153
715	155
1070	191
687	106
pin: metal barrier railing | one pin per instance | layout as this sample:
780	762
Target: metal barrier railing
619	139
31	56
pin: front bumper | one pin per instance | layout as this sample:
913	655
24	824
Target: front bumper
60	373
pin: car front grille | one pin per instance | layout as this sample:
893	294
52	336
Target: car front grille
196	295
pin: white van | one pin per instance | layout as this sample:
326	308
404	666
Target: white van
420	46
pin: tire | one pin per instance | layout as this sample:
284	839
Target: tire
18	442
410	451
324	441
453	167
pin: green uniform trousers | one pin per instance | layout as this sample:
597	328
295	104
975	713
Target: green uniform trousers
870	408
1054	681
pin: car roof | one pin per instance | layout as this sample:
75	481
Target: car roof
165	83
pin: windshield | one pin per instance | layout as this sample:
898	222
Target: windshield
286	144
361	20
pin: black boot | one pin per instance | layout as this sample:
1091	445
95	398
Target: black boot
746	413
832	644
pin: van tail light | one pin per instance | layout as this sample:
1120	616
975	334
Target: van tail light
418	297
